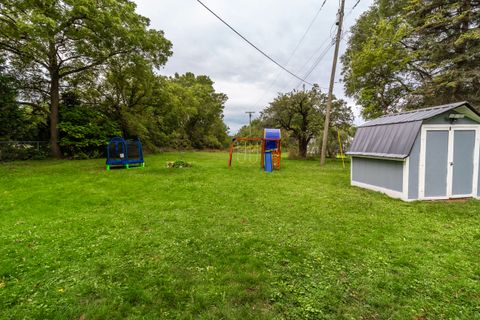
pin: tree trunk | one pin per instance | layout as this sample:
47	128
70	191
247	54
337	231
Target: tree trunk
54	105
302	148
54	99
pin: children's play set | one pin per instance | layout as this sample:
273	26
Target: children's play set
268	149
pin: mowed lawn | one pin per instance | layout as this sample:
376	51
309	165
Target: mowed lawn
208	242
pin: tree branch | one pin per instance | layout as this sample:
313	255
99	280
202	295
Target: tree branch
20	53
91	65
27	103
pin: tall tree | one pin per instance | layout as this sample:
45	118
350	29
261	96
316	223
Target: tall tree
446	39
302	113
297	113
413	53
51	40
204	124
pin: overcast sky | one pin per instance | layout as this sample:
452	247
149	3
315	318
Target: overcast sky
203	45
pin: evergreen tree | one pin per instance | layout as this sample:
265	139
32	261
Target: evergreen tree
414	53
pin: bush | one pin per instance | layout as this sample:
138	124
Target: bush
23	151
178	164
84	131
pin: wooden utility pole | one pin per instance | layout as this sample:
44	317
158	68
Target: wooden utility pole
250	120
332	82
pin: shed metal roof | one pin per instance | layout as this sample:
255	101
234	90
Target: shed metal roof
392	136
392	141
414	115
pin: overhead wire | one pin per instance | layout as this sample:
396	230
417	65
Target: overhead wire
352	8
253	45
299	43
319	59
323	51
316	63
306	31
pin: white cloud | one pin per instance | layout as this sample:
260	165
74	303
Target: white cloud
203	45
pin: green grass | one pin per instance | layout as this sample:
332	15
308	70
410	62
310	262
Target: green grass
208	242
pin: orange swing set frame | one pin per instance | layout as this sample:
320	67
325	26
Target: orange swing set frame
276	153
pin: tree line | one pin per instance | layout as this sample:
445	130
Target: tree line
81	71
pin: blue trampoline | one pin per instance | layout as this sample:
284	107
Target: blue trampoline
121	152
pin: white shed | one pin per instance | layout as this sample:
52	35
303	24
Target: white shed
424	154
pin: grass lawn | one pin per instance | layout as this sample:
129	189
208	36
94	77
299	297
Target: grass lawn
77	242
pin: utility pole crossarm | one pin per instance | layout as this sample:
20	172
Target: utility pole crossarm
332	82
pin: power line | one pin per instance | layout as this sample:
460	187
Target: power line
254	46
317	62
323	51
319	59
344	34
352	8
355	5
319	49
307	30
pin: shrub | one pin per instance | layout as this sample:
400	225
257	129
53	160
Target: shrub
23	151
178	164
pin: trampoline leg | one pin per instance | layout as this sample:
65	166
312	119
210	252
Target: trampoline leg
127	166
143	164
108	167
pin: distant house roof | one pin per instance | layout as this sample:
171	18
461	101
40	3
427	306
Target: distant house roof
392	136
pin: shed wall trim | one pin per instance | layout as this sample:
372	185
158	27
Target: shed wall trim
478	169
476	162
414	168
406	174
388	192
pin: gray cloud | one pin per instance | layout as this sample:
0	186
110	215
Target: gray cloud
203	45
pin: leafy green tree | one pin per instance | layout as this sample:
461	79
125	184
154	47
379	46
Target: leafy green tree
11	117
204	126
445	41
412	53
302	114
18	120
84	130
183	111
297	113
131	95
256	129
49	42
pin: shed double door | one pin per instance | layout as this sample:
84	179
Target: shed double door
449	162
